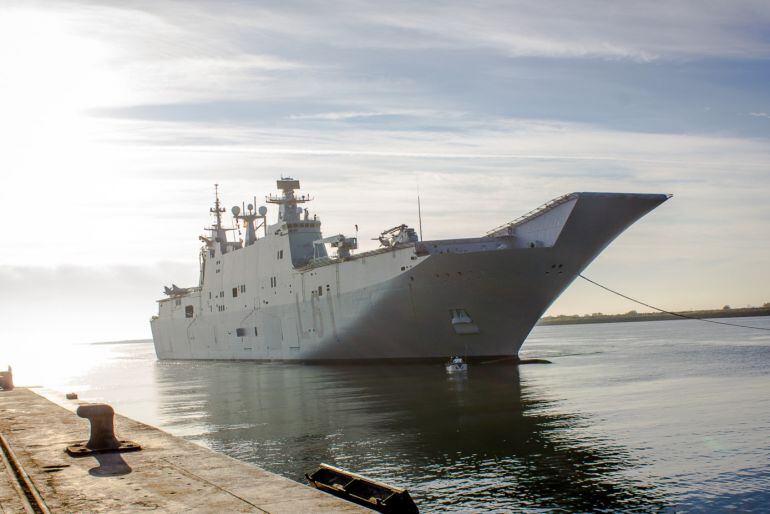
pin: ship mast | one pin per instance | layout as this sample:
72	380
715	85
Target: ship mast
249	218
217	231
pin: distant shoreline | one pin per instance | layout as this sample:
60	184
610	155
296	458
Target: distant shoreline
653	316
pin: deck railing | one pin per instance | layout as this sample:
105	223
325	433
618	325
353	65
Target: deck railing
533	213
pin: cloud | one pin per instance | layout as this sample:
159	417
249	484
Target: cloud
151	196
168	53
655	30
759	114
351	115
194	78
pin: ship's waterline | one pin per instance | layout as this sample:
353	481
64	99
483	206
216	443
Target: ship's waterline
282	297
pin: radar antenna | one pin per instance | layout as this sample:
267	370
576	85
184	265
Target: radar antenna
288	210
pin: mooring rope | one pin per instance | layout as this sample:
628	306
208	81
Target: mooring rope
668	312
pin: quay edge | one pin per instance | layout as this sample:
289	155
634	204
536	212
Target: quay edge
169	474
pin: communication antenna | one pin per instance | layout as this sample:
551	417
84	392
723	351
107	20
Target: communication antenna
419	210
419	213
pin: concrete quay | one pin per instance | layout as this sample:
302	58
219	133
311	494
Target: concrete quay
167	475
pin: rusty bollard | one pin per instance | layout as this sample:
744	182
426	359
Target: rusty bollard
102	439
6	379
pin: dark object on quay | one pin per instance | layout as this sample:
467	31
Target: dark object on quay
361	490
102	438
6	380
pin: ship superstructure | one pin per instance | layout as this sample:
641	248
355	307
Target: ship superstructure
285	292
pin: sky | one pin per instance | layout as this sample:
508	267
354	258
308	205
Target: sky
116	119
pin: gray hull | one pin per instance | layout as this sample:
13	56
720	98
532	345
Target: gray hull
478	297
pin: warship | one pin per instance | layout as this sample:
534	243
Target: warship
285	292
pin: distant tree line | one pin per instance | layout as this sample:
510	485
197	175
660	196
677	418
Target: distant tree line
632	315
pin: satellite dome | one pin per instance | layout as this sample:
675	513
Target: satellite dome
262	210
235	210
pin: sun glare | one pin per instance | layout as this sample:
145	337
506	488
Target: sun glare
48	69
49	79
51	76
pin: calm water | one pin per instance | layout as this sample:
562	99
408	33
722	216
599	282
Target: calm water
671	415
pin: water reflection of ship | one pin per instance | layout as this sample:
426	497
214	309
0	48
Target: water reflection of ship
488	440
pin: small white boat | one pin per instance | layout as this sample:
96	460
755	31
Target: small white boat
456	365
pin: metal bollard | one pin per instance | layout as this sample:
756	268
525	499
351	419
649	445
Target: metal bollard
102	418
102	439
6	380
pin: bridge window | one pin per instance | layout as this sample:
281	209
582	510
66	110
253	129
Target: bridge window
240	332
235	292
188	311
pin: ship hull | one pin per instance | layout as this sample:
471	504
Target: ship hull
476	298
